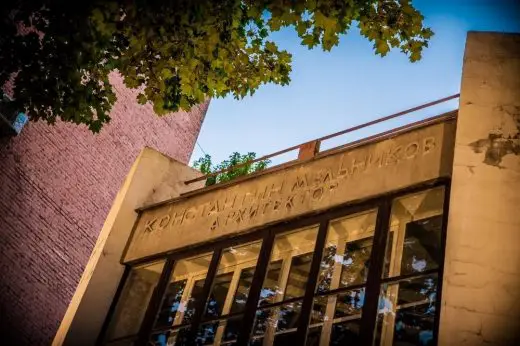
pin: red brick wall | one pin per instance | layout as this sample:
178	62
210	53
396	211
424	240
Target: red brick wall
57	184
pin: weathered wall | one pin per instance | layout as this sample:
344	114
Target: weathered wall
56	187
481	293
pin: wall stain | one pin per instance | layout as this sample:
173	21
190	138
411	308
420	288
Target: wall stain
497	145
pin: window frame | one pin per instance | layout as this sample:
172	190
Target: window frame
381	203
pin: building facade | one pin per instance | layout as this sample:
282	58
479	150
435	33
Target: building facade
57	184
411	237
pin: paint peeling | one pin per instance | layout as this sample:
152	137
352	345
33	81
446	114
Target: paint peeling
500	142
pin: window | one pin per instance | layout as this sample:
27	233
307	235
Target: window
136	294
362	275
414	253
340	292
279	306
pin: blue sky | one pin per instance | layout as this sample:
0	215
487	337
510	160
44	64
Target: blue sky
350	85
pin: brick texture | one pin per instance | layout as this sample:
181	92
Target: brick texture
57	184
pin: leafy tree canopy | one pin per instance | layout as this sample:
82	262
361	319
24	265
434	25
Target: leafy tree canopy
178	52
206	166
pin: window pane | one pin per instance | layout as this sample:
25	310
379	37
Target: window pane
244	285
346	333
347	251
270	288
414	242
132	304
171	303
234	276
289	265
231	330
185	287
298	275
313	336
407	312
229	293
275	321
218	295
337	316
176	337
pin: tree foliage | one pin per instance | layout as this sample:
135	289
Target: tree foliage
206	166
178	52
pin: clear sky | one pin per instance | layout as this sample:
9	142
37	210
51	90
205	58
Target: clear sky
350	85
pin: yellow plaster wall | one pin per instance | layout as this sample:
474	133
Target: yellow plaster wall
481	293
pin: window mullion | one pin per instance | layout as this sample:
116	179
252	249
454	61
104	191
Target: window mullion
256	287
201	302
314	271
371	300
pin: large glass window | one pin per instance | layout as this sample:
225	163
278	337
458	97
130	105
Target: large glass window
344	279
284	286
340	292
182	294
134	299
407	307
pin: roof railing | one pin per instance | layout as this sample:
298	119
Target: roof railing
311	148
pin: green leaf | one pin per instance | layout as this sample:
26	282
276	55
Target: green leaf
141	99
180	52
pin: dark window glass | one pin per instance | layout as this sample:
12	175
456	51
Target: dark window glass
347	250
192	301
271	321
407	306
270	289
183	291
422	242
313	336
346	333
415	225
171	303
408	285
135	296
218	295
242	292
298	275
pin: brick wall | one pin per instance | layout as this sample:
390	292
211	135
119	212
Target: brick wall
57	184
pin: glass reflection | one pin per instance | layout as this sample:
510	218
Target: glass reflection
172	337
274	321
232	329
244	285
337	316
289	266
218	295
182	293
407	312
229	293
270	288
347	252
298	275
414	242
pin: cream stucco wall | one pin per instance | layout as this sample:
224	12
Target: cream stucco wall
152	178
481	292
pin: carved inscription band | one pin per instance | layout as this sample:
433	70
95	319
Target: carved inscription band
282	197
